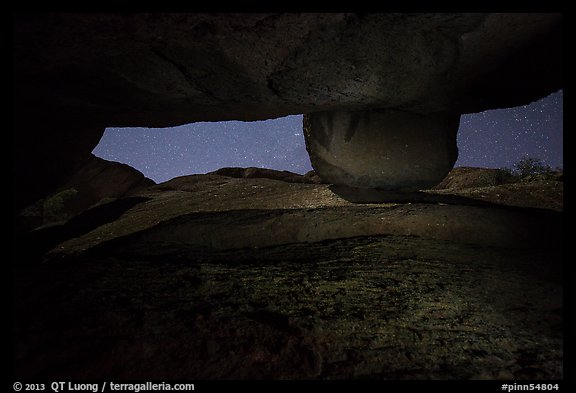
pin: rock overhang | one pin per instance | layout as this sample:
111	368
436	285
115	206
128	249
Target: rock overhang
168	69
80	73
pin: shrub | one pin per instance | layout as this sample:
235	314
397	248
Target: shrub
55	206
529	166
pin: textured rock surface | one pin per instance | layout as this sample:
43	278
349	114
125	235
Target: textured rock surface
101	178
220	212
166	69
264	173
213	277
473	187
537	194
224	277
469	177
498	186
384	149
75	74
391	307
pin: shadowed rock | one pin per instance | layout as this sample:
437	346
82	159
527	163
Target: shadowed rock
370	195
95	181
383	149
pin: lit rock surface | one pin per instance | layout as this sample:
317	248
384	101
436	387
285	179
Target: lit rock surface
223	277
222	212
469	177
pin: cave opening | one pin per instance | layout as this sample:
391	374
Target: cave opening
490	139
500	138
256	274
164	153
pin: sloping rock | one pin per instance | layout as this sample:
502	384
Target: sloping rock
470	177
500	187
95	181
537	194
101	178
219	277
264	173
313	176
221	212
557	175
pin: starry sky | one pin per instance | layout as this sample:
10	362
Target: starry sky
491	139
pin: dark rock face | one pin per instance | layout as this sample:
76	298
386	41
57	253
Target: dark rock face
167	69
221	277
47	151
107	179
383	149
393	307
96	180
75	74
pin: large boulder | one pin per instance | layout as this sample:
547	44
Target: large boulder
385	149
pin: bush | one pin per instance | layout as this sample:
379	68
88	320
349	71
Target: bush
529	166
55	206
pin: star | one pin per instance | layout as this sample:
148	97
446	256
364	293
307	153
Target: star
491	139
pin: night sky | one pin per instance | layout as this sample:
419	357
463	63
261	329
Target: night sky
491	139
